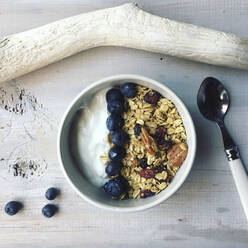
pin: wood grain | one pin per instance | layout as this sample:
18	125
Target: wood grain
206	210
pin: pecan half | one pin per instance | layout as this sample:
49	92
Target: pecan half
177	154
148	141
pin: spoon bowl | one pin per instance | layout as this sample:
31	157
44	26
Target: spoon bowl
213	100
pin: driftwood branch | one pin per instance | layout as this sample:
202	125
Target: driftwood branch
127	26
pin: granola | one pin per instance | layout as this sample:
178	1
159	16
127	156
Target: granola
157	143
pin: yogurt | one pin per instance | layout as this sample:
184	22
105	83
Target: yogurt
90	139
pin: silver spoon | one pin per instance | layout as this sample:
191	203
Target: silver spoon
213	102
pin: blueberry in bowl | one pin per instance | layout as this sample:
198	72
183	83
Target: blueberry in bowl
114	94
117	153
128	90
113	168
115	187
119	137
115	106
114	122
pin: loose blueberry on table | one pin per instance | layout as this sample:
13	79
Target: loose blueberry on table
13	207
51	193
49	210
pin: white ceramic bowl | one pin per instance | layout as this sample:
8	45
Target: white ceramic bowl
95	195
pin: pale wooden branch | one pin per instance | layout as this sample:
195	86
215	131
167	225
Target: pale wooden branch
126	25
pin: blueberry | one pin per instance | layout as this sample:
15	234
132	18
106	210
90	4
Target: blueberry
113	168
152	97
49	210
12	207
115	106
114	122
124	182
115	187
117	153
51	193
114	94
119	137
143	163
129	90
137	130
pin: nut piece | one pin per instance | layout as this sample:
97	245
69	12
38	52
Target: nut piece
148	141
129	160
177	154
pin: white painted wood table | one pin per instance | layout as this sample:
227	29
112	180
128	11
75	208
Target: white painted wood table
205	212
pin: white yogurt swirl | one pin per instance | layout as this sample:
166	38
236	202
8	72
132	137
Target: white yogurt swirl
91	139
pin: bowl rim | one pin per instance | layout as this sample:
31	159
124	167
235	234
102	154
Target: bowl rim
157	201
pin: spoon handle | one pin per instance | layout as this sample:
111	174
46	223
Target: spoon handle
241	181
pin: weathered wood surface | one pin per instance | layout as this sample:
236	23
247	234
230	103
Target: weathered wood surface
206	210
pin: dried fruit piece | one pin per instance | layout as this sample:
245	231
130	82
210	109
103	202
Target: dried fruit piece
143	163
148	141
165	144
137	130
152	97
147	173
160	132
146	193
160	168
177	154
160	138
